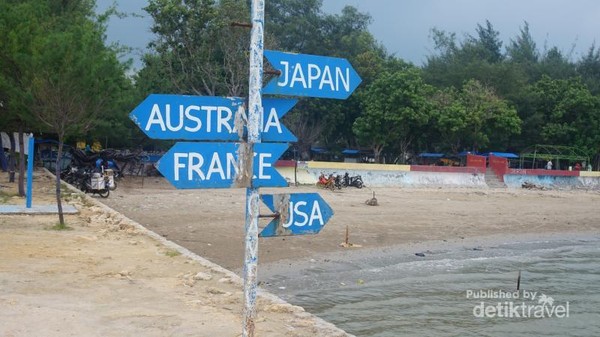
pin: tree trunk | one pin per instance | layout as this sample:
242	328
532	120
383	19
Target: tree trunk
377	149
3	163
11	161
61	217
21	181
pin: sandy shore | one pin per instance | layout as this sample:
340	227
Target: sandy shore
211	222
108	276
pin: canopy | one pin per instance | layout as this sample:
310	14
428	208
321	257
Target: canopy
350	151
431	155
504	154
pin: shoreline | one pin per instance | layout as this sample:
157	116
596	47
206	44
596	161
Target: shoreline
428	249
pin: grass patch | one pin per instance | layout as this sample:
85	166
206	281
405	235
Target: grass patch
61	227
172	253
4	196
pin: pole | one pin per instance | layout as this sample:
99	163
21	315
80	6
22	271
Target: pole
29	171
252	193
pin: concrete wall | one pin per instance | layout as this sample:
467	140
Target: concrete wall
553	182
376	175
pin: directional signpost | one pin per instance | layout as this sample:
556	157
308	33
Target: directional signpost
298	214
216	165
207	118
240	158
311	76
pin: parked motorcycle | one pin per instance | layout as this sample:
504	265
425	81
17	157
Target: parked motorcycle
87	180
355	181
327	182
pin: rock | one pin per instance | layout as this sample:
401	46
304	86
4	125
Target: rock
283	308
215	291
420	254
226	280
200	276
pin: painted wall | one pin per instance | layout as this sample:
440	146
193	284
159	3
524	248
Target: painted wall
553	181
376	175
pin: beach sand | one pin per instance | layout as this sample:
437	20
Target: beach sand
211	222
109	277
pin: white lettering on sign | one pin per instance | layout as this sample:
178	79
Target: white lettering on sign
303	214
272	120
311	76
262	164
222	165
193	118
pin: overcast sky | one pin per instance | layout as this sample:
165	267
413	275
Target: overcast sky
403	26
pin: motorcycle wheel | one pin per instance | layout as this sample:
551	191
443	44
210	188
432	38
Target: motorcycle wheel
104	193
359	184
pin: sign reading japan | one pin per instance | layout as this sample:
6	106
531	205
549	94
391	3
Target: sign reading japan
298	213
207	118
215	165
311	76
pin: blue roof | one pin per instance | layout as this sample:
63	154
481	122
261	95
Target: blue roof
504	154
318	149
431	155
350	151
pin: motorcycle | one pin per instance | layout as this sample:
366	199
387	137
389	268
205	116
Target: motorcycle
327	182
355	181
89	181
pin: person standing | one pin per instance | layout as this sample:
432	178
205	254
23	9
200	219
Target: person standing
549	165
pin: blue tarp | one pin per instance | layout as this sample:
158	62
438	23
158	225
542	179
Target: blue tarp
318	149
504	154
350	151
431	155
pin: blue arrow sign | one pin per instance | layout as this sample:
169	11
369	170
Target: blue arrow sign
206	118
311	75
215	165
299	213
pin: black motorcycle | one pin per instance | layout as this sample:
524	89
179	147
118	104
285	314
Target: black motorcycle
355	181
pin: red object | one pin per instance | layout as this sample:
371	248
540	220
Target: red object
476	161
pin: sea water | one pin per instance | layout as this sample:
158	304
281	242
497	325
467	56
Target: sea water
461	291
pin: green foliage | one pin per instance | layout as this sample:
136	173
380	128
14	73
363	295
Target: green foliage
396	107
566	113
61	227
196	51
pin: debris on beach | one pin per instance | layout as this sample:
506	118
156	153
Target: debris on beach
531	186
346	243
420	254
372	201
349	245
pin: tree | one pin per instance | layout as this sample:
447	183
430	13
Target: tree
65	75
566	114
300	26
14	93
523	49
196	49
396	107
474	117
589	69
